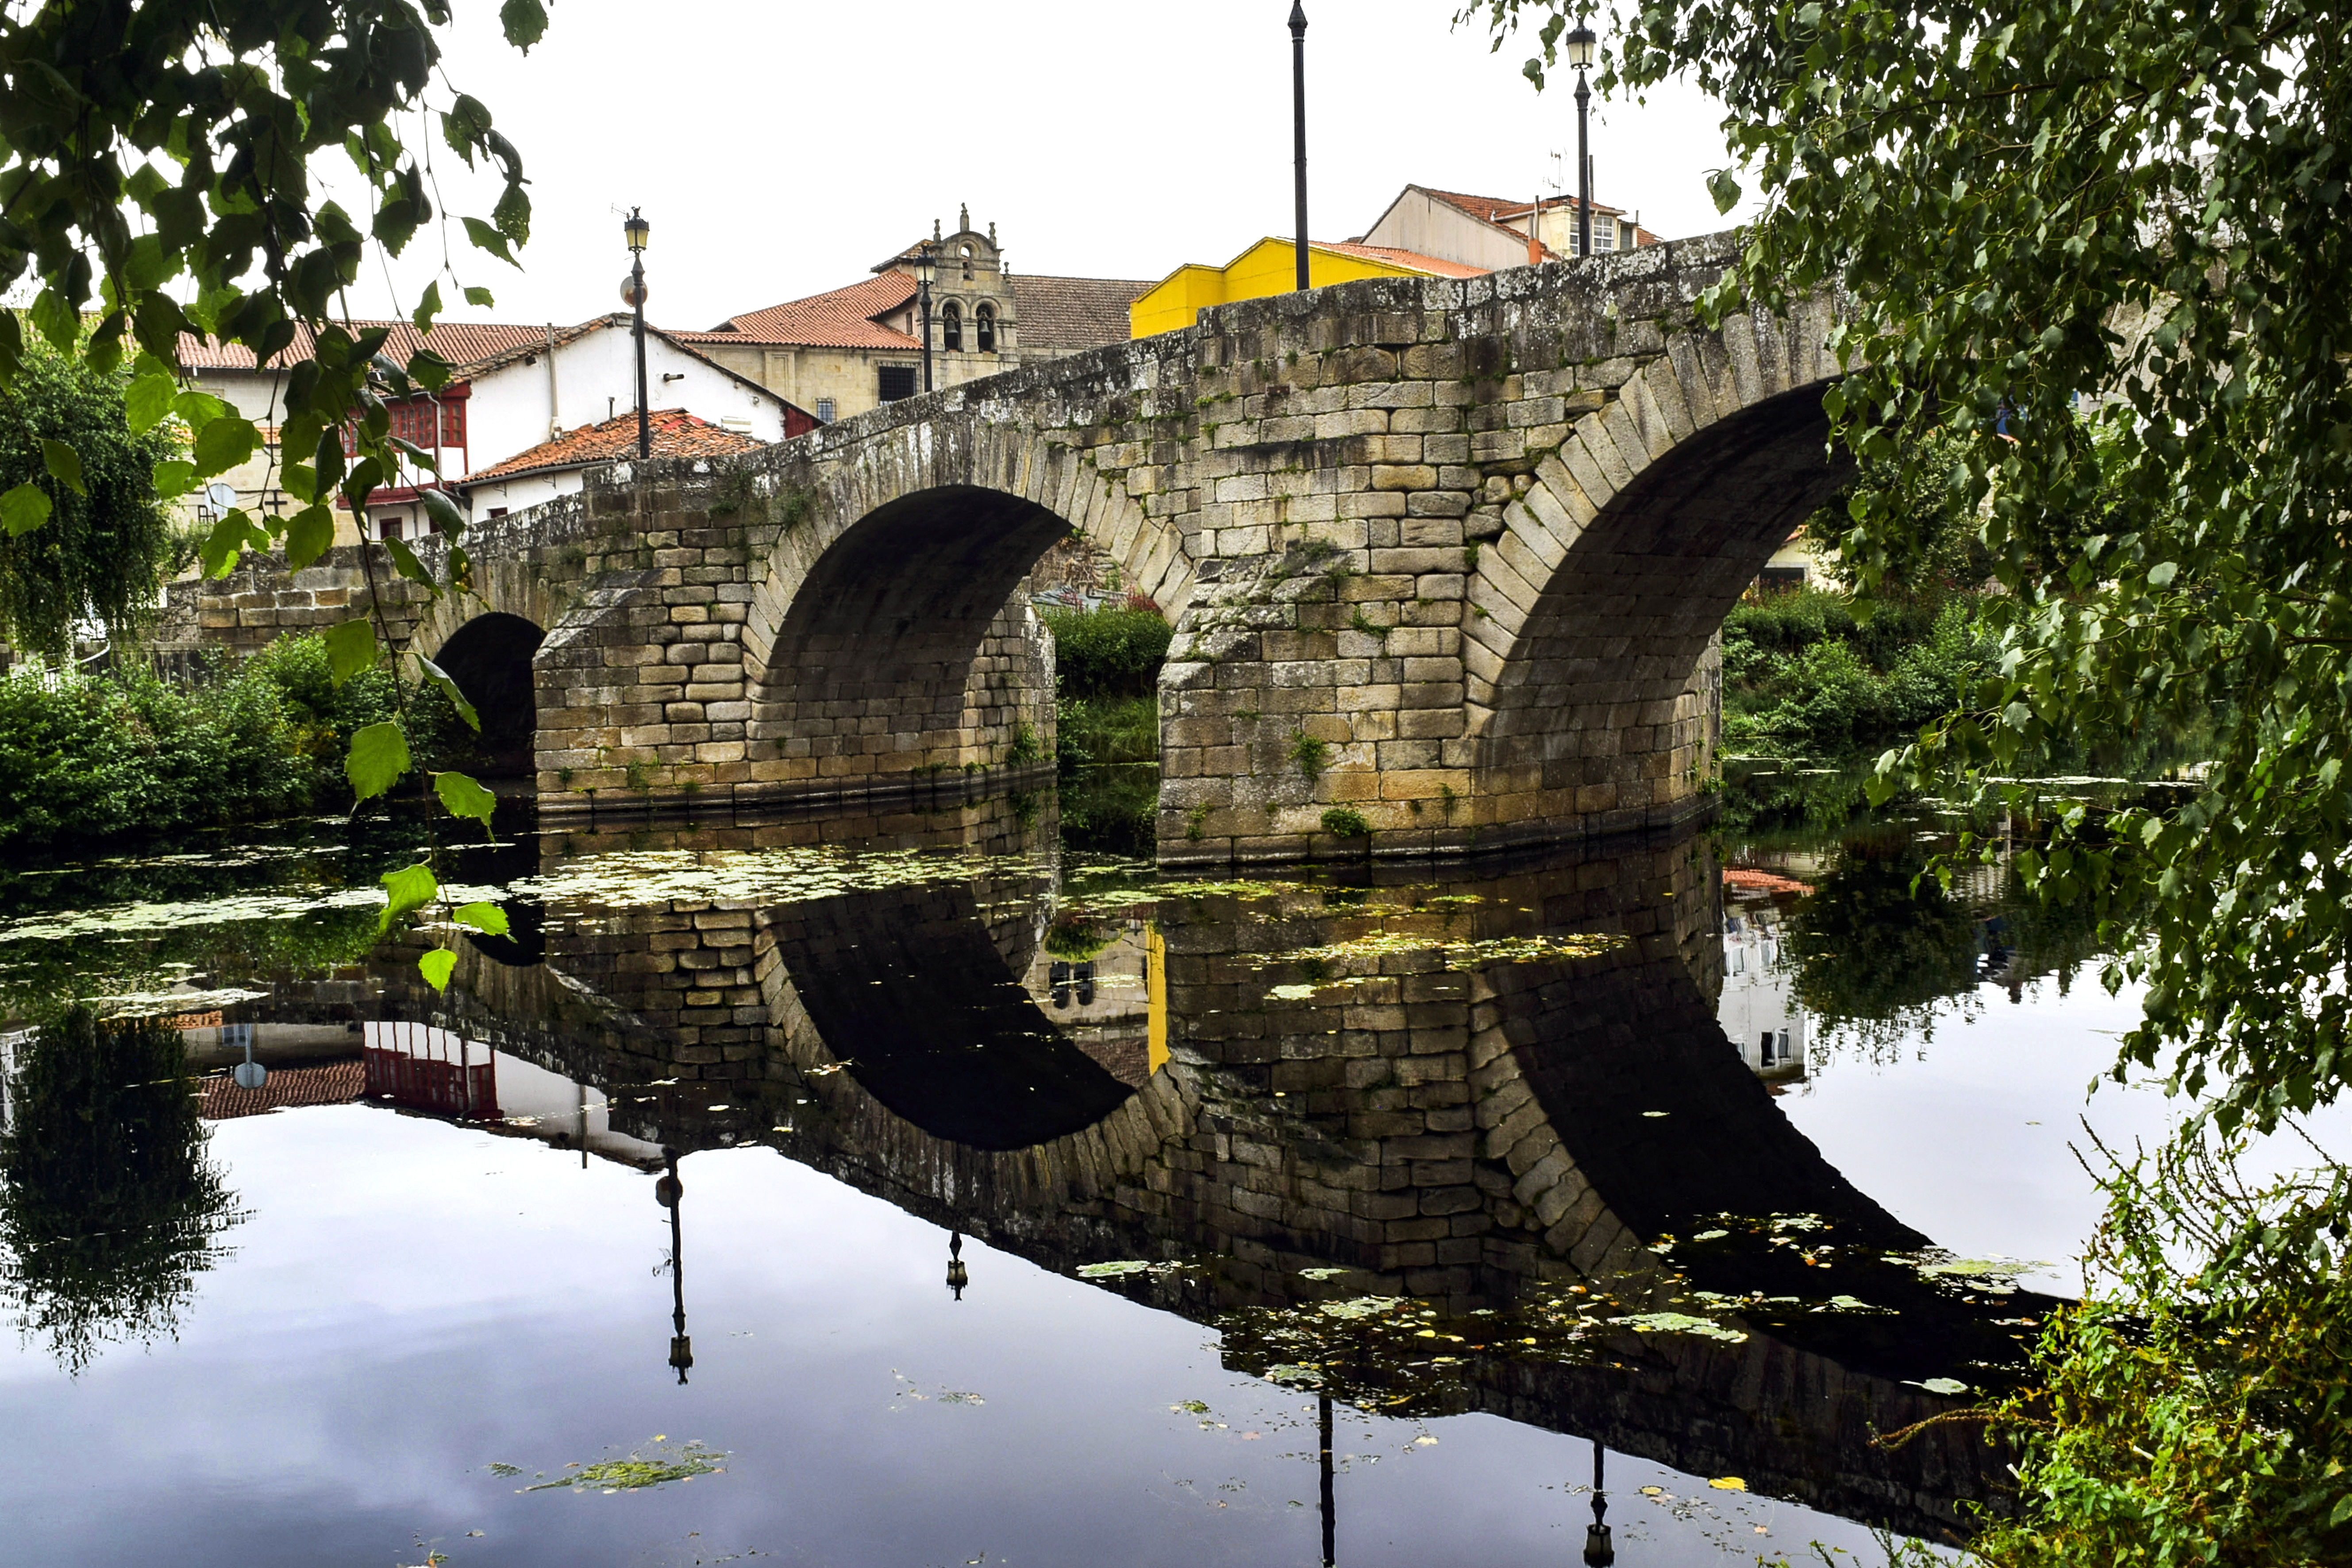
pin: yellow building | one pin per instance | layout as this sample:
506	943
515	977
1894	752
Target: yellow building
1271	266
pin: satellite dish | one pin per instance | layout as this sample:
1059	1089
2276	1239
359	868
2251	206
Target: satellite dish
251	1074
222	496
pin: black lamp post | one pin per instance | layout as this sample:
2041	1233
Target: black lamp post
1598	1551
926	264
957	1275
634	292
667	1191
1298	122
1580	54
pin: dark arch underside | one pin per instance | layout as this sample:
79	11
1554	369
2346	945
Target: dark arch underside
1616	635
489	659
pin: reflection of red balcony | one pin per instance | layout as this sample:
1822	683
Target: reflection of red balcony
432	1070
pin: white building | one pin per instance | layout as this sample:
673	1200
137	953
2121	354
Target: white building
515	388
1758	1011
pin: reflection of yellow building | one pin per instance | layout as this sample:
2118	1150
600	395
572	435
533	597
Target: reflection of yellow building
1271	266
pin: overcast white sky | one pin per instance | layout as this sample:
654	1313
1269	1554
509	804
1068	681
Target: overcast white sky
782	149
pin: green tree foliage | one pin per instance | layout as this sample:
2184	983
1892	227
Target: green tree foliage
1800	669
91	758
156	169
105	543
109	1205
2202	1418
1108	652
2118	231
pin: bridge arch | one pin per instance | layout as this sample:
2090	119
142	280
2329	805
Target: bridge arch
489	659
1590	690
891	638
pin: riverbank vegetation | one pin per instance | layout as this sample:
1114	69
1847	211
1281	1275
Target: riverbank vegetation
85	758
1107	717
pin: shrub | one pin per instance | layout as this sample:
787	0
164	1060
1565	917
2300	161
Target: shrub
1107	652
1346	822
1311	754
90	757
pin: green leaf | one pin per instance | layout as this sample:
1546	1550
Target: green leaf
64	465
479	297
486	237
198	409
405	561
428	307
488	919
24	509
410	887
524	22
438	677
229	539
57	321
309	533
174	477
224	444
379	755
463	797
436	967
1724	189
350	650
443	511
147	401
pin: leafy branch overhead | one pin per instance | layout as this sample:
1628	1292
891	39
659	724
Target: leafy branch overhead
2101	248
159	180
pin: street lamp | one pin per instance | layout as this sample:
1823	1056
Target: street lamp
957	1275
1598	1551
1298	122
926	265
637	228
668	1191
1580	54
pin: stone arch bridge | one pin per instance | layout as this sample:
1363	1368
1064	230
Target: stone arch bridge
1446	560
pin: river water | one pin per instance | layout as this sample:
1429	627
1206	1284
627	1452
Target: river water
923	1188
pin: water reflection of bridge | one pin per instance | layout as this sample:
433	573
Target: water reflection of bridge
1466	1095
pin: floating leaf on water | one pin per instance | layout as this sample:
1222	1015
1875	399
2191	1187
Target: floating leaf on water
1947	1385
1653	1114
1424	1441
502	1470
1323	1273
959	1396
1290	993
1191	1407
1112	1270
1294	1374
1979	1267
1679	1323
1361	1307
1654	1491
640	1470
1728	1484
1710	1236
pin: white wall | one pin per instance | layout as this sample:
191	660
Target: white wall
596	379
1427	226
524	490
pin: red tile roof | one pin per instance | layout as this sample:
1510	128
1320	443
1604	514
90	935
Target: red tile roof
331	1083
1444	268
676	433
1494	209
462	343
841	318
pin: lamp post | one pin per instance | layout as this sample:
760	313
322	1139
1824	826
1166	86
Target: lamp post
926	264
667	1191
634	292
1598	1551
1298	122
957	1275
1580	54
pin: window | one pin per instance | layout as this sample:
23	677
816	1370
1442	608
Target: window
387	526
498	512
824	410
898	382
983	327
951	326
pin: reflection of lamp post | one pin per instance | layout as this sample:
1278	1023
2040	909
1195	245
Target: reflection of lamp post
926	264
957	1277
1331	1519
1580	54
1598	1550
667	1191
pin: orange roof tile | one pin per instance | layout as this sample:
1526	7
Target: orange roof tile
676	433
330	1083
1421	263
462	343
1494	210
1063	313
840	318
